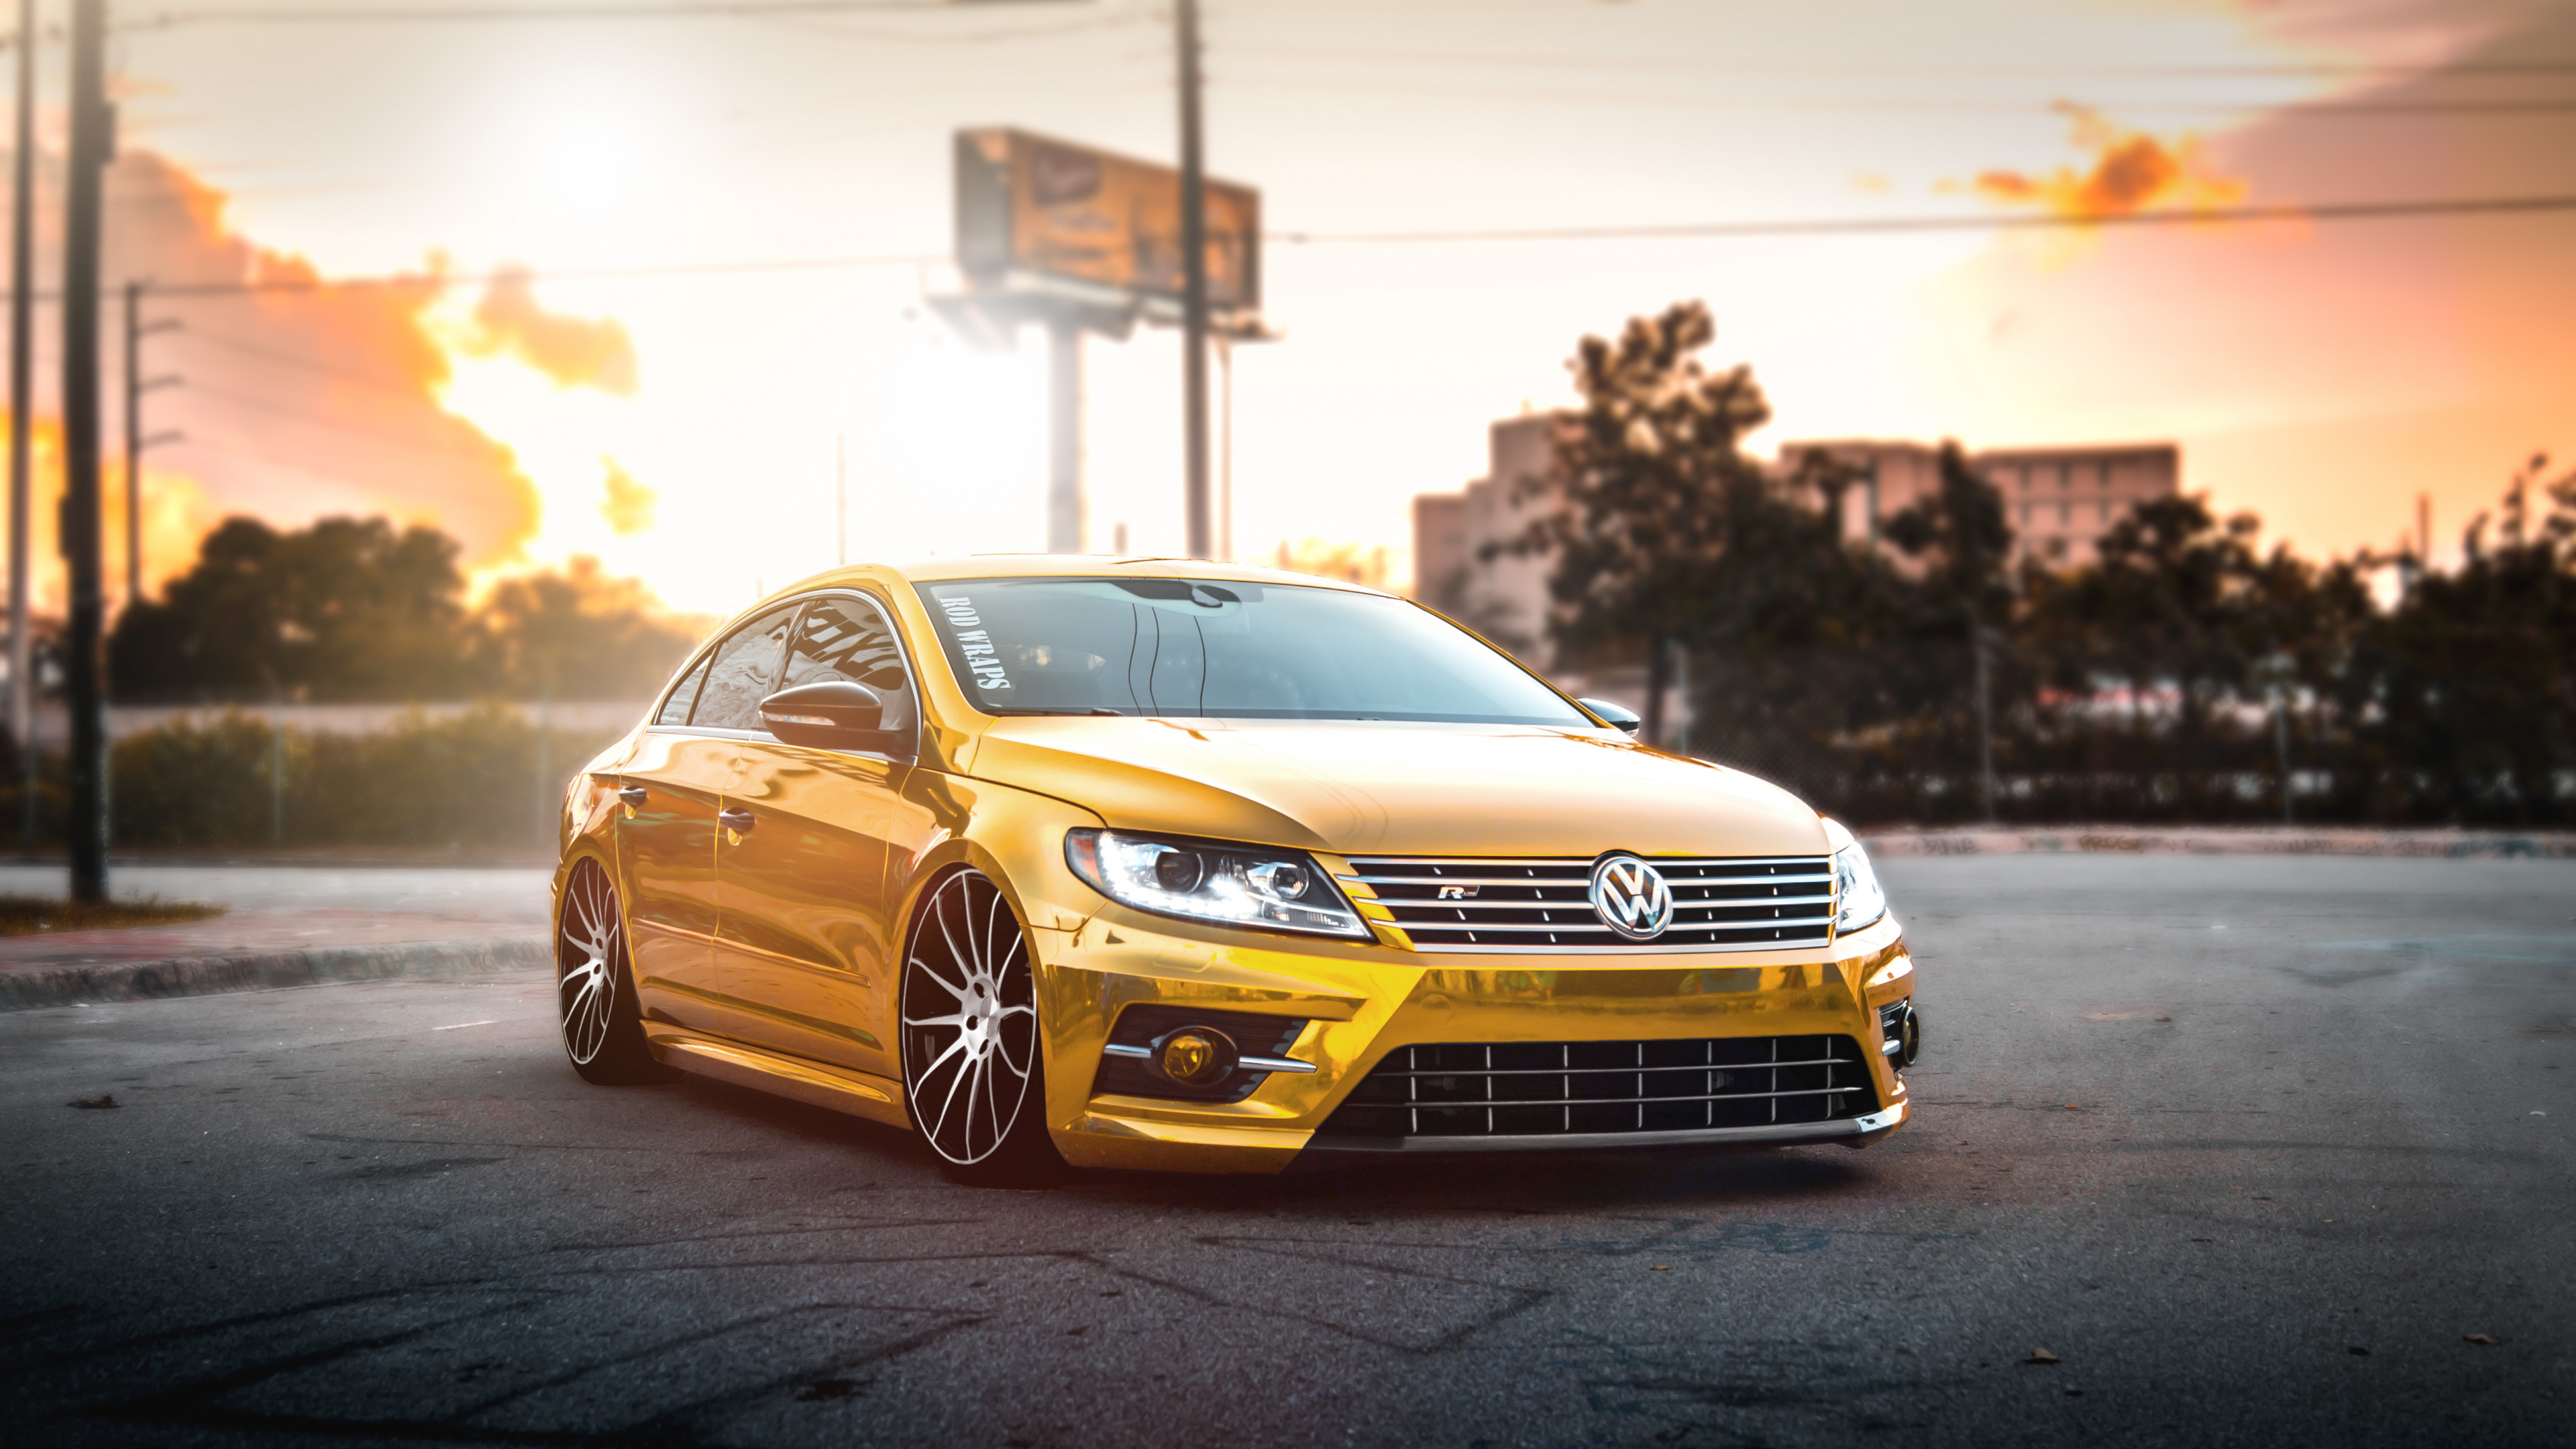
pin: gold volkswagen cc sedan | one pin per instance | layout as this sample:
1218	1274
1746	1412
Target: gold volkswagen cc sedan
1156	864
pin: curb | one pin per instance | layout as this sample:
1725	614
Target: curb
2112	840
43	986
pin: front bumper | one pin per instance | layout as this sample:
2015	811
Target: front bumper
1854	1131
1362	1001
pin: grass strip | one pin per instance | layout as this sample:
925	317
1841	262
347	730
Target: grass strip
42	915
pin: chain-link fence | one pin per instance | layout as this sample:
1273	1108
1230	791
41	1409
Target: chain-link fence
482	780
1883	736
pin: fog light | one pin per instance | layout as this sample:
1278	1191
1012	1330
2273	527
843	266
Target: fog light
1908	1036
1194	1056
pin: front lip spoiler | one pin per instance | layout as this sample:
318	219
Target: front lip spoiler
1852	1131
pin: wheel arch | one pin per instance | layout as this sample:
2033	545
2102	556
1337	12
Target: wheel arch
1015	839
577	850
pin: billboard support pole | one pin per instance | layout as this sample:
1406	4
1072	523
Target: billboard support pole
1194	284
1064	435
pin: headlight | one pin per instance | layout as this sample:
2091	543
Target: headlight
1272	890
1856	886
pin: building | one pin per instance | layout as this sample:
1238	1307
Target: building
2059	501
1440	554
1503	596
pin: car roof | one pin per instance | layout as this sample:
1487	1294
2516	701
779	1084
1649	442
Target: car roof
1062	565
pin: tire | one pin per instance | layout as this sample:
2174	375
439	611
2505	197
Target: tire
603	1028
974	1061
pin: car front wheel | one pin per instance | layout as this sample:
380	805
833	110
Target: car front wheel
973	1065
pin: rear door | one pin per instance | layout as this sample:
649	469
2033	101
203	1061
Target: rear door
807	935
673	789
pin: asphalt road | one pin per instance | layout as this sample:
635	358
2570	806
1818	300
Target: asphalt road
2251	1146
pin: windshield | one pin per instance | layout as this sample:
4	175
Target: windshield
1203	647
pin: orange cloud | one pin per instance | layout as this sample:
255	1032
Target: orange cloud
303	398
574	351
177	513
629	504
2130	172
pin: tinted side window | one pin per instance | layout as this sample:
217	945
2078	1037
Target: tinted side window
846	638
675	710
743	672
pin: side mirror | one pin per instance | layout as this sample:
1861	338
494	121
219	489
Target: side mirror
1622	716
835	714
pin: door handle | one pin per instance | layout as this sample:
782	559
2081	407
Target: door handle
737	821
633	795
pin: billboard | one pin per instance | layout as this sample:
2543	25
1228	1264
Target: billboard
1055	209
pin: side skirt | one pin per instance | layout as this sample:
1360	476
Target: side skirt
860	1094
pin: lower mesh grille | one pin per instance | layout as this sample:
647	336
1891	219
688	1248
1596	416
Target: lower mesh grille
1542	1089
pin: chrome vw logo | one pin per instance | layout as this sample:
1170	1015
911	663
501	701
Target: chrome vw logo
1631	898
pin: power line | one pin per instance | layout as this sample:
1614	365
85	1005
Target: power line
2346	211
424	443
440	281
2279	110
273	464
488	14
276	358
1768	67
1815	226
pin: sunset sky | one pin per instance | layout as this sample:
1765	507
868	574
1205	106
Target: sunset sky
633	359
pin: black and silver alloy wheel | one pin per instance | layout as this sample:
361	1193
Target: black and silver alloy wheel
603	1031
971	1060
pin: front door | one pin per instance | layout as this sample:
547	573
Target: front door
806	934
673	789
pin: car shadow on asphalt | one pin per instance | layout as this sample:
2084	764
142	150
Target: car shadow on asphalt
1534	1183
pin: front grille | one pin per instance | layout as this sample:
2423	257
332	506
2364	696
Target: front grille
1544	1089
1545	905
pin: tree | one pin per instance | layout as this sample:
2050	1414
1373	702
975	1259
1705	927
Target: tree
1799	641
2159	607
346	609
356	609
1960	535
2470	682
575	634
1648	467
2179	603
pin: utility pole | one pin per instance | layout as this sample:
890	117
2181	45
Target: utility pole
2281	746
1225	454
22	361
1985	717
136	329
1194	283
1065	522
92	143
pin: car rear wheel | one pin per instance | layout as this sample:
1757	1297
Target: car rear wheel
603	1028
973	1066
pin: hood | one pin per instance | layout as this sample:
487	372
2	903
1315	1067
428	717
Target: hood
1372	788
